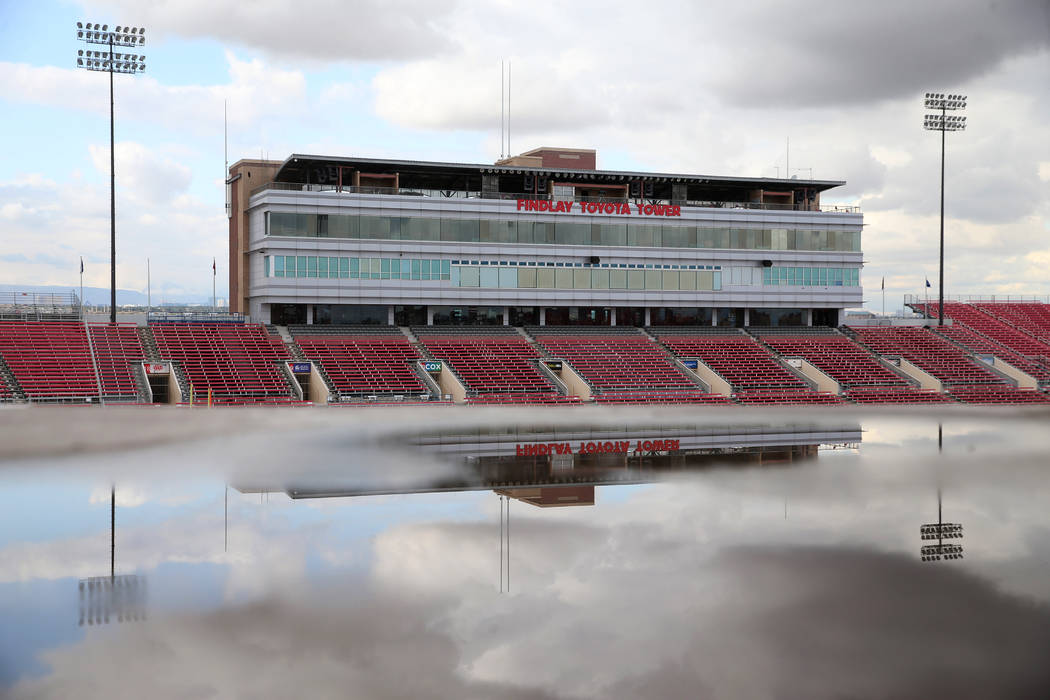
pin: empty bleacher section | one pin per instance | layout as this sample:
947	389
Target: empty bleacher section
992	394
621	365
50	360
363	361
117	348
237	362
866	394
981	318
838	357
983	345
497	366
928	351
1030	317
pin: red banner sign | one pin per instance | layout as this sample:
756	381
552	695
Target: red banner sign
617	208
155	367
540	449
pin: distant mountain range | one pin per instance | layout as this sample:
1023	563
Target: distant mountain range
100	295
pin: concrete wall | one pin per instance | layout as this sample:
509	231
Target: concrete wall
817	376
711	378
926	380
576	384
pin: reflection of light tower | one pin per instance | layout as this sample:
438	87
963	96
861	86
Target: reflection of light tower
109	62
104	596
943	123
940	530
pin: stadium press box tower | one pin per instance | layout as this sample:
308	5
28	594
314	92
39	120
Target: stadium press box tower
543	238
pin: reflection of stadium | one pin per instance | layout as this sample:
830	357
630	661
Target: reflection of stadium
492	459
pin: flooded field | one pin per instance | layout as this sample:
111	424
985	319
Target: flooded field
524	553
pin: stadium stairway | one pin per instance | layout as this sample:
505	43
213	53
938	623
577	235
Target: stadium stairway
10	389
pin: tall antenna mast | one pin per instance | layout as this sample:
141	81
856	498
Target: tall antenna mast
508	118
502	97
226	160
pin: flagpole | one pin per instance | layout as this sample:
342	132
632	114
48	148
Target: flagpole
214	306
149	296
81	286
883	296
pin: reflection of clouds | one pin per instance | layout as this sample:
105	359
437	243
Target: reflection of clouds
755	622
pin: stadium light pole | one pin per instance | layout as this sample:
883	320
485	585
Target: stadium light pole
943	123
109	62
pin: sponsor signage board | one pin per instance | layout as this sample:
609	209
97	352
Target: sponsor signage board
690	364
562	206
542	449
432	367
554	365
155	367
300	367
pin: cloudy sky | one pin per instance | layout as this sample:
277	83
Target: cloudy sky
705	87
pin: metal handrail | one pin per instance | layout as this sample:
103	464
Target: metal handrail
474	194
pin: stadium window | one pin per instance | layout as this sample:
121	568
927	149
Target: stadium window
687	280
636	279
311	266
705	281
717	286
266	266
490	277
563	278
599	279
424	270
384	268
322	225
508	277
374	268
278	266
581	279
446	268
670	279
468	276
322	266
354	267
527	278
545	278
618	279
344	268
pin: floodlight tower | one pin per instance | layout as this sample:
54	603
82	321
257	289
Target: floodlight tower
130	37
943	123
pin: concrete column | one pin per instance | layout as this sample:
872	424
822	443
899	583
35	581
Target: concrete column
543	316
390	315
809	317
747	317
430	315
309	313
840	317
714	317
612	316
647	318
506	315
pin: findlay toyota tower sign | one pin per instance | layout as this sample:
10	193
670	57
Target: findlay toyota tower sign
619	208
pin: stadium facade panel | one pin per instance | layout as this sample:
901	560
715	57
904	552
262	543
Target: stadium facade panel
327	240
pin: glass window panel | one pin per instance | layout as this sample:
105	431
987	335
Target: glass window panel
717	285
653	279
612	234
417	228
599	279
545	278
489	276
468	276
617	279
642	235
687	279
581	278
563	278
763	238
379	227
446	267
424	269
670	279
266	266
705	280
570	233
636	279
384	265
455	276
322	266
355	266
287	224
527	277
278	266
679	237
508	277
460	230
344	268
311	266
778	238
300	266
